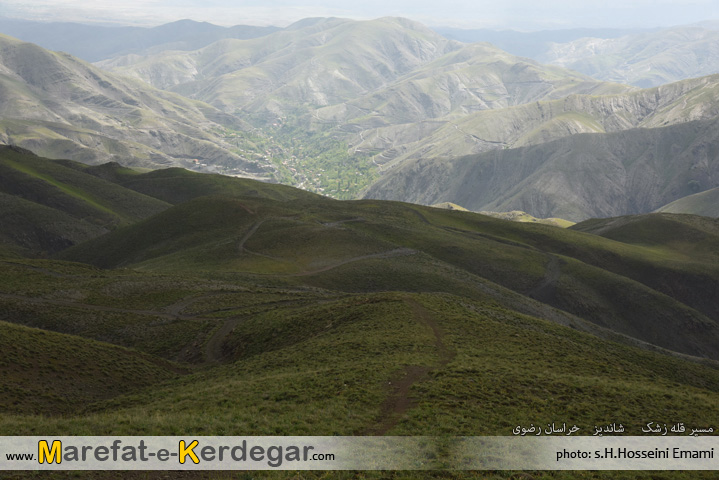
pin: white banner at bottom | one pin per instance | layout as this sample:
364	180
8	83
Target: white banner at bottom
359	453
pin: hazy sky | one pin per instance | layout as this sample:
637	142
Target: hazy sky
503	14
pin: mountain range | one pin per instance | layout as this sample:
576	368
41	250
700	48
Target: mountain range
641	57
375	109
93	43
138	297
63	107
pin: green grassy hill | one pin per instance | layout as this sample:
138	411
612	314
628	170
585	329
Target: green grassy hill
257	309
318	362
46	373
641	291
177	185
48	206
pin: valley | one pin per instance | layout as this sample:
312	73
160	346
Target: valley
372	109
354	227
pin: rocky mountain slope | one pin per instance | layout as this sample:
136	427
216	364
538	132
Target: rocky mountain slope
538	122
332	105
641	57
575	177
62	107
644	59
314	62
388	70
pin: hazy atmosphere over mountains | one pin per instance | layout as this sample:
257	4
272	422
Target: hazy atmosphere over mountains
282	218
379	108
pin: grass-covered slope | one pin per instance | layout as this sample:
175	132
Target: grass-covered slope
646	292
48	206
403	364
268	311
177	185
48	373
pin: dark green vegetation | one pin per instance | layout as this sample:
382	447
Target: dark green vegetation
249	308
49	206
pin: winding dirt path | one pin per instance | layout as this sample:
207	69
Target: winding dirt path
43	270
399	400
253	229
213	342
214	352
177	307
341	222
397	252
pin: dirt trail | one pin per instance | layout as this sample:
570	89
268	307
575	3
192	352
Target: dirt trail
213	347
99	308
397	252
43	270
177	307
341	222
399	400
212	352
243	240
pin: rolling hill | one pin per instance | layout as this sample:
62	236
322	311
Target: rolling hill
314	62
389	70
246	308
48	206
641	57
316	240
540	122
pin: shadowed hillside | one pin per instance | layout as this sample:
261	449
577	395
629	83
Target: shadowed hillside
49	206
577	177
343	245
244	308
